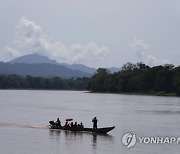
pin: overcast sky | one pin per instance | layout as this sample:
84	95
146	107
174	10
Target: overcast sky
97	33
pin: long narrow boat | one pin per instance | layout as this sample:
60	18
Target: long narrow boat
103	130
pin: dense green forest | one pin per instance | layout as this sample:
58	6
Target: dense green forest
138	78
29	82
133	78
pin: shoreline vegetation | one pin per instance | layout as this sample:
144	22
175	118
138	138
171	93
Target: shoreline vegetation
138	79
142	94
133	79
41	83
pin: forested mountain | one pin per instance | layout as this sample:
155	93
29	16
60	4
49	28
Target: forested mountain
39	59
41	66
33	59
40	70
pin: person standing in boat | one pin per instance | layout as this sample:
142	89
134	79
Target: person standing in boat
94	120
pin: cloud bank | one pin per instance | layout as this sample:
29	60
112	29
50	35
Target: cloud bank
30	38
139	46
141	50
154	61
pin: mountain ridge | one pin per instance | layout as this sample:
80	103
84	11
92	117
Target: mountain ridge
32	59
41	70
41	66
37	59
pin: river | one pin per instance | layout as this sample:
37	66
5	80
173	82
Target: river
24	116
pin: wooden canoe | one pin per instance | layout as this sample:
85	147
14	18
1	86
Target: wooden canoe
103	130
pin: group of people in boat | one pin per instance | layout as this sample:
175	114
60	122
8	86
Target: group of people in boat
73	125
69	124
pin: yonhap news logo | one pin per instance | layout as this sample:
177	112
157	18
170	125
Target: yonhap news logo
130	139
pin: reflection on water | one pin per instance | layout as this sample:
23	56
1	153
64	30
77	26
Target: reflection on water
94	141
54	133
71	137
101	137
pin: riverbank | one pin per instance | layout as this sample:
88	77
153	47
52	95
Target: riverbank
126	93
141	93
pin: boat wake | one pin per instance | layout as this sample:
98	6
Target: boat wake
22	126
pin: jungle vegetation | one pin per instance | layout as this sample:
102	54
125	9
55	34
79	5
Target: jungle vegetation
138	78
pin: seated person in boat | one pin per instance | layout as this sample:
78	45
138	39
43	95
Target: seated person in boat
66	124
75	125
58	122
72	125
80	125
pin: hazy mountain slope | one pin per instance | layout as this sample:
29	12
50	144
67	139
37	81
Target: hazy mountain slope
40	70
36	59
82	68
62	69
33	59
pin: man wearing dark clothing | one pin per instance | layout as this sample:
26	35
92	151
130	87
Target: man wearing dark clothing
94	120
58	122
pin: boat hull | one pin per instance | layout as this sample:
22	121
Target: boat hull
98	130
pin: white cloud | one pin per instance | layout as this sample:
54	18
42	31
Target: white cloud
31	39
28	29
9	53
139	46
154	61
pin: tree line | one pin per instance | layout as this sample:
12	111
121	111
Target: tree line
133	78
137	78
29	82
